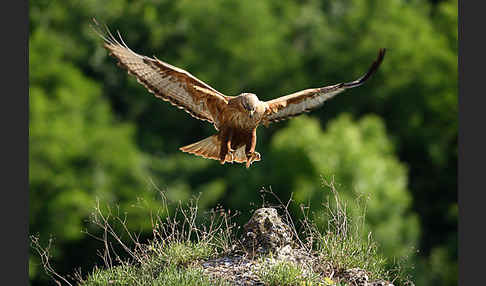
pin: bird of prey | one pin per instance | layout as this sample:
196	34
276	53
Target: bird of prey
236	118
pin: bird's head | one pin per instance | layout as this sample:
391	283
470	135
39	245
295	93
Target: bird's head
249	101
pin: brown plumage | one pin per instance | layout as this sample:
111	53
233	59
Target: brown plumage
235	117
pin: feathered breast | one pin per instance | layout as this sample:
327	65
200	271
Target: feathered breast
239	119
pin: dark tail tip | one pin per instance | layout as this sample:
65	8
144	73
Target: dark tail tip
374	67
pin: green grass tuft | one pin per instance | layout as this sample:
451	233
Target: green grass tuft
350	251
182	253
286	274
344	245
168	276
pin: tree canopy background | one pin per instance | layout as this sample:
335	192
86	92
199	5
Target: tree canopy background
95	133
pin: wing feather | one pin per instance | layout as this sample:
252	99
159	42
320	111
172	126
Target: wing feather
167	82
306	100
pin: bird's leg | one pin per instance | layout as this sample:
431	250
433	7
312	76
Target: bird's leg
225	138
228	143
232	154
251	155
222	154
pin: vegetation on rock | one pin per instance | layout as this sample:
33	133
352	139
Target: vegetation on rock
188	252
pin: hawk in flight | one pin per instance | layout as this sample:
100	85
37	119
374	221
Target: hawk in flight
236	118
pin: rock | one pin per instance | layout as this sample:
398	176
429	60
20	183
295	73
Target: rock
381	283
356	276
266	232
359	277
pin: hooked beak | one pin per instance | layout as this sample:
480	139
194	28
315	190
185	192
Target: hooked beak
251	113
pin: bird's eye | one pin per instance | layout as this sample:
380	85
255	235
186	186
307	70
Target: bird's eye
245	105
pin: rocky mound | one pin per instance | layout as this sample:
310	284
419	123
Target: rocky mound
268	241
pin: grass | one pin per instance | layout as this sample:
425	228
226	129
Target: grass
286	274
132	275
165	266
342	244
178	246
167	258
181	253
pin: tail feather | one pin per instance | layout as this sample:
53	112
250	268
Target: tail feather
210	147
207	148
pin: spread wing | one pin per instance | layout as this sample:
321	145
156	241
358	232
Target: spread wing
306	100
167	82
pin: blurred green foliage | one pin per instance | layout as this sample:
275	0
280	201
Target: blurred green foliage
96	133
